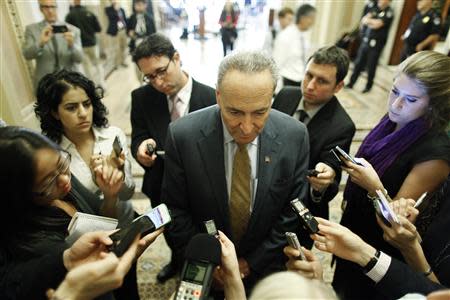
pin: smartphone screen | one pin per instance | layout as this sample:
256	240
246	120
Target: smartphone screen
386	209
159	215
346	156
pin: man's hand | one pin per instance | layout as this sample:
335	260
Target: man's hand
68	35
46	35
340	241
142	156
89	247
311	268
324	178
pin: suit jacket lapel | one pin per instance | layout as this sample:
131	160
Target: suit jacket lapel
196	101
267	160
212	153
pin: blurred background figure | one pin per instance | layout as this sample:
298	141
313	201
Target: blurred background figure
228	21
117	25
285	18
89	26
292	46
423	30
139	25
53	48
374	30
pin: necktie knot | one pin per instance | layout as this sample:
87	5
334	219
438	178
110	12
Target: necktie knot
302	115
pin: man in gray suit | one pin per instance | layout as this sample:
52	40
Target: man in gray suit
52	50
237	163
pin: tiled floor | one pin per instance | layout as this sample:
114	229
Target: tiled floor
201	60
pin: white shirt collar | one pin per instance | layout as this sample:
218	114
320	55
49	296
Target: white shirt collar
311	112
185	93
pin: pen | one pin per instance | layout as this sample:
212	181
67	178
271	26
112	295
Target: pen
420	200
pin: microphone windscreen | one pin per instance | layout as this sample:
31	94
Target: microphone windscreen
204	247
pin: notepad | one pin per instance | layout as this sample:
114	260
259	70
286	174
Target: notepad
82	223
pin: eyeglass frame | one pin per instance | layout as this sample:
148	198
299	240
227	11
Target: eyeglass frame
148	78
63	169
48	6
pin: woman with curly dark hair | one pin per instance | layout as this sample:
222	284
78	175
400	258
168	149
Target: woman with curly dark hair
72	114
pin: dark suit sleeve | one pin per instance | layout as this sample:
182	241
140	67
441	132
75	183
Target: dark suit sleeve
139	130
270	248
400	279
174	189
31	279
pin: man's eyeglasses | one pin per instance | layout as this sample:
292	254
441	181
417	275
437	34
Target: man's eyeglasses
160	74
47	6
63	169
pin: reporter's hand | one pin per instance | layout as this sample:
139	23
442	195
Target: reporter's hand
403	236
68	35
405	207
339	240
109	179
147	240
117	162
311	268
92	279
365	176
324	178
142	156
89	247
46	35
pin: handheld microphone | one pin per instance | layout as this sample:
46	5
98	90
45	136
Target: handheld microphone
202	256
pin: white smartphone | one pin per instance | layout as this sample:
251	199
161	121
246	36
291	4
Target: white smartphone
147	223
159	215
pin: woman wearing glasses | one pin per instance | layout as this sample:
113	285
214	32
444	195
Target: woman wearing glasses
71	114
405	155
40	197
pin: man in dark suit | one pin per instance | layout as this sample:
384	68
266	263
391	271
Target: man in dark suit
328	124
170	93
237	163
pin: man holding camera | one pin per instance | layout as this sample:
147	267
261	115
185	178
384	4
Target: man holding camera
54	45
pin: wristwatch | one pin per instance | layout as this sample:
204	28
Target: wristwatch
372	262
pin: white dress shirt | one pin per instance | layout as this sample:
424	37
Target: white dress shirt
230	148
185	96
291	50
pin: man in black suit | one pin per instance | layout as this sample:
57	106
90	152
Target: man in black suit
240	164
170	93
328	124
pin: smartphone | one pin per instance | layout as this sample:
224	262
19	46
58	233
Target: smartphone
313	173
117	146
384	210
295	243
211	228
342	154
60	28
148	222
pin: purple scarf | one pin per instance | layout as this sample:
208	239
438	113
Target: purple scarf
383	145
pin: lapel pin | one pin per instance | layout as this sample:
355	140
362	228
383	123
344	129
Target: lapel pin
267	159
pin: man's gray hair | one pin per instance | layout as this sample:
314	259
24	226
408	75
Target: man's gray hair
249	62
